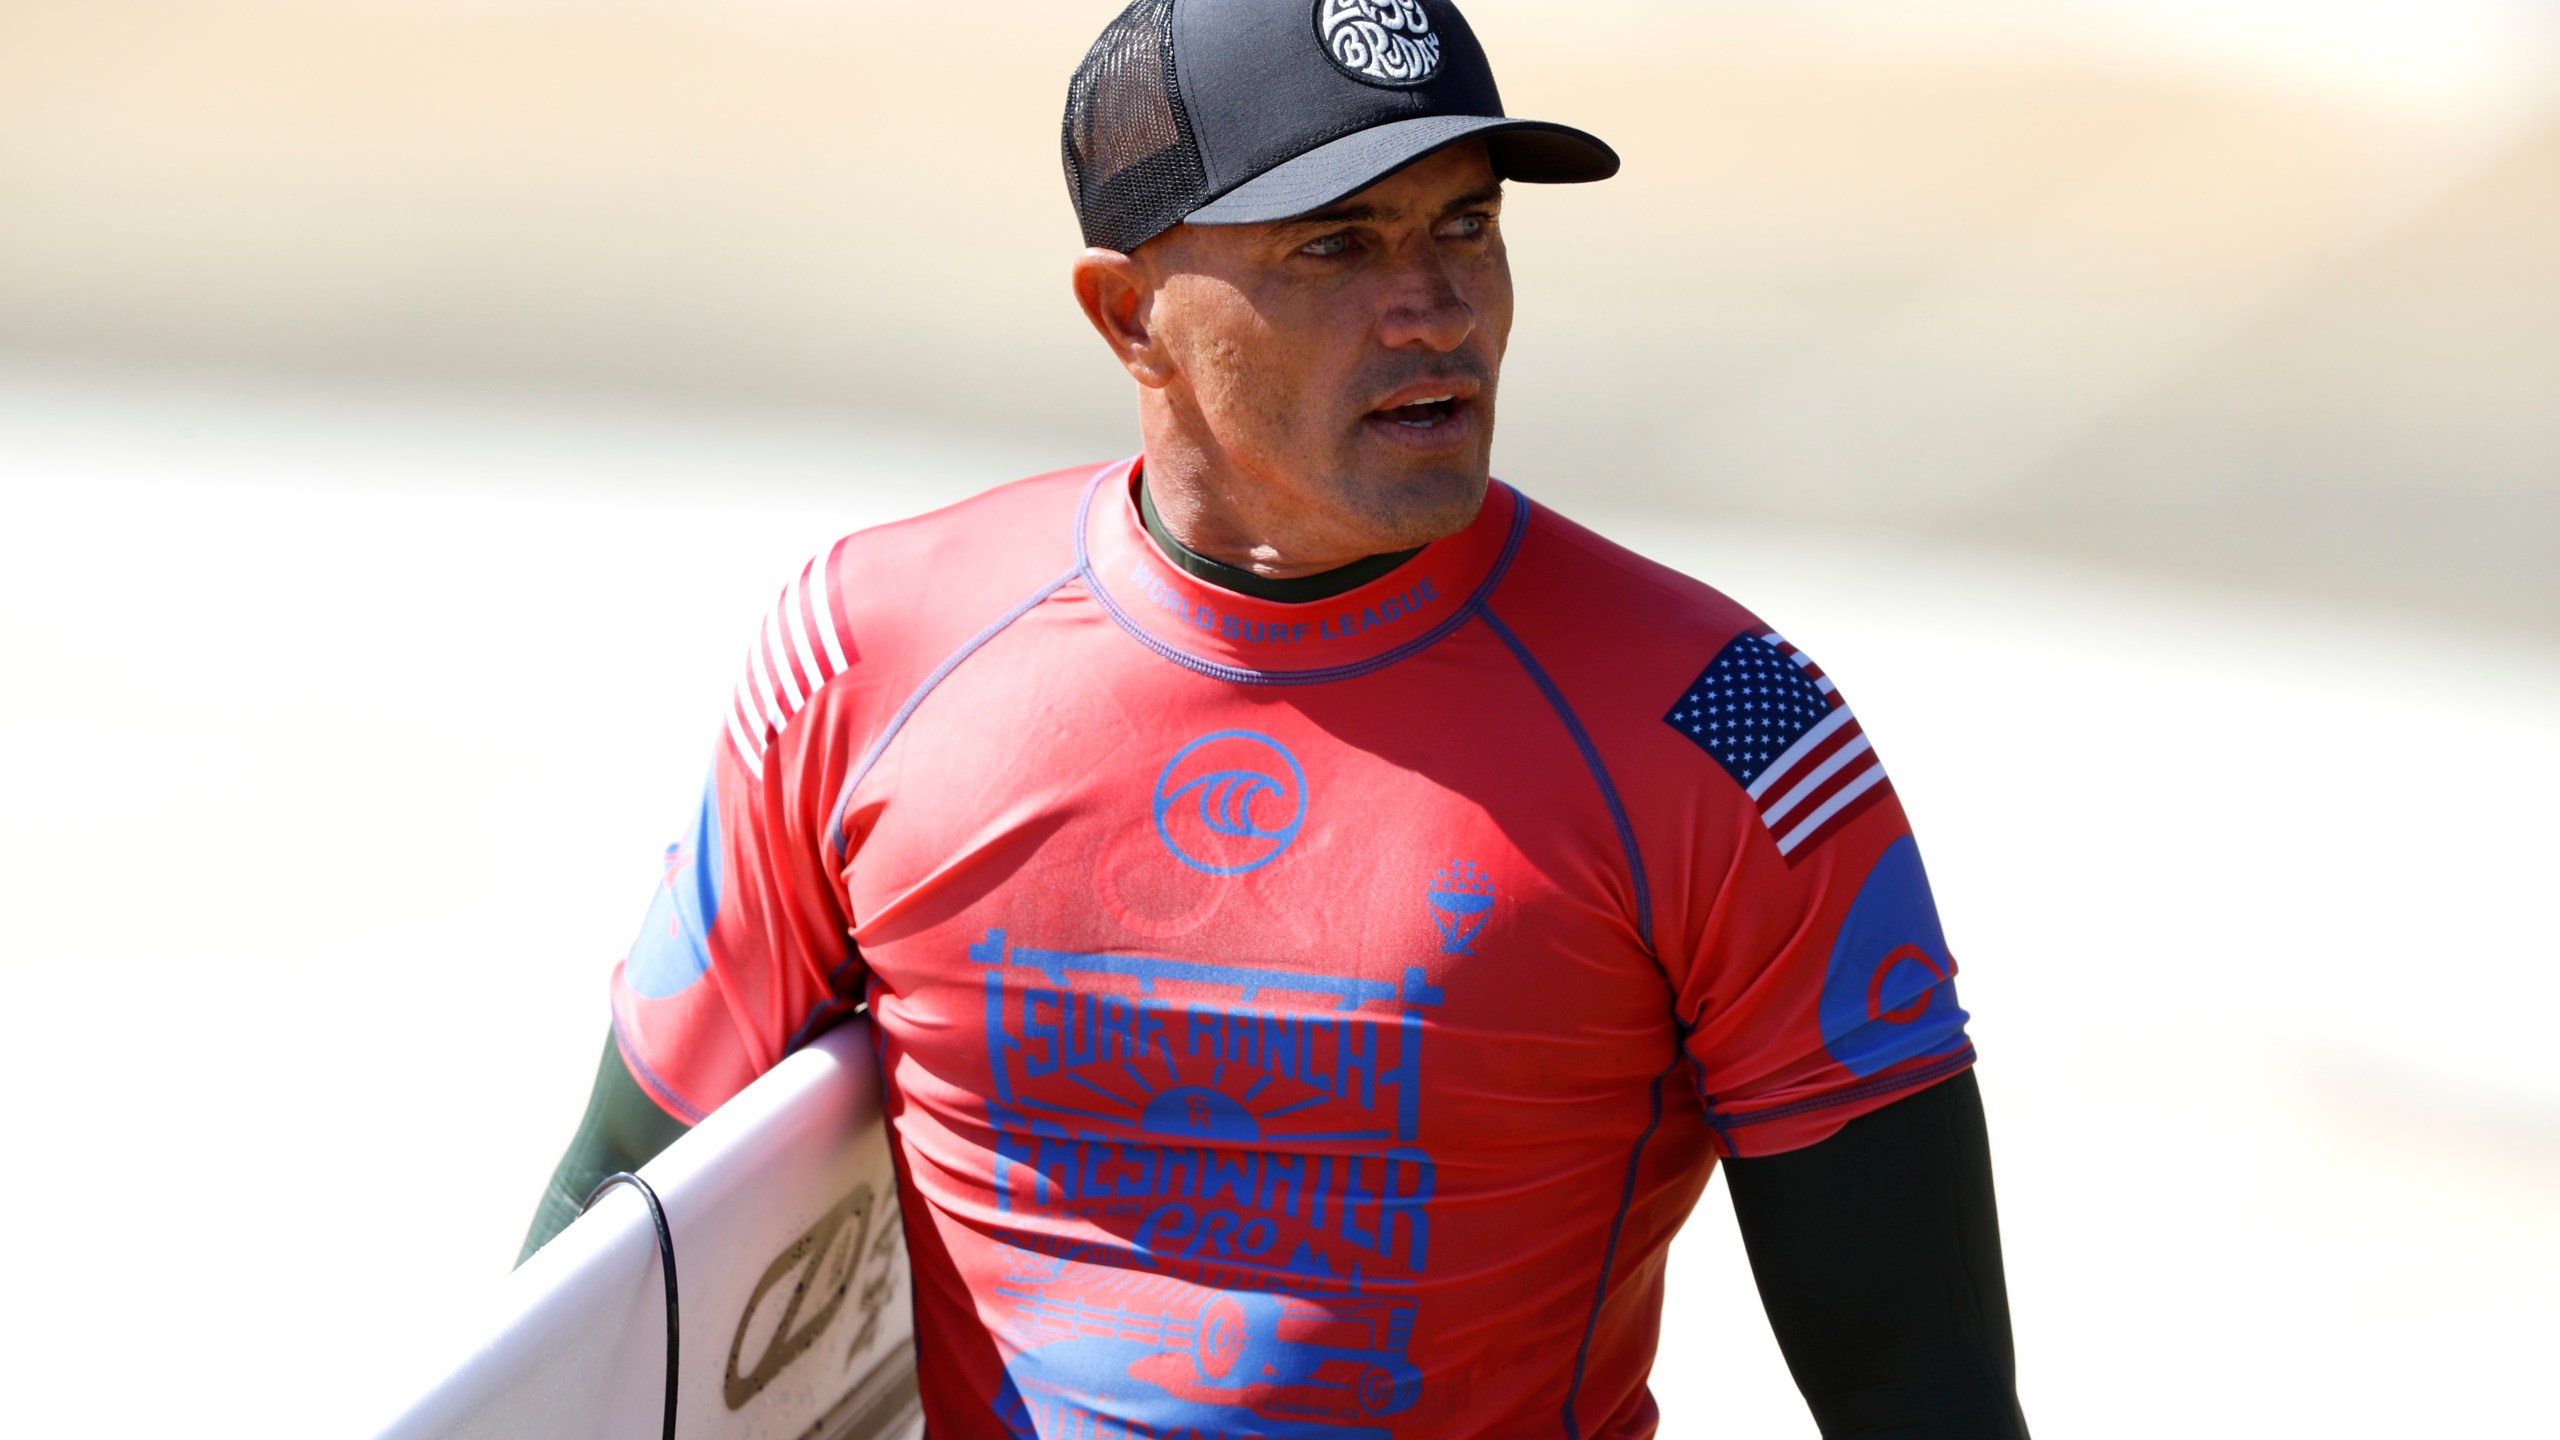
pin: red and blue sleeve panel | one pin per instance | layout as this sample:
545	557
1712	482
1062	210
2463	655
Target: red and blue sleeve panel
746	950
1818	984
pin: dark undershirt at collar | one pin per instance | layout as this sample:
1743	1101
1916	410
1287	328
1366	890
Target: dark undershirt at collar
1297	590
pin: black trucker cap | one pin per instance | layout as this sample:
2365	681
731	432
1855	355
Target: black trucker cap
1240	112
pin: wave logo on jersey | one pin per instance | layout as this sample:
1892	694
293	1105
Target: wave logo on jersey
1231	803
674	948
1890	993
1460	898
1380	42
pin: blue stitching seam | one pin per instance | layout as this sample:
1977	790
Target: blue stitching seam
898	722
1599	771
1707	1103
836	978
1855	1093
631	1056
1241	676
1644	933
829	1011
1609	1257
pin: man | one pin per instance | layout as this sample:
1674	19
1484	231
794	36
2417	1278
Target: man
1324	914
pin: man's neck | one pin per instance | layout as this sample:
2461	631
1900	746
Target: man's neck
1294	590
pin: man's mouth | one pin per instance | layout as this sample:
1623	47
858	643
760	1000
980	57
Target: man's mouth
1429	413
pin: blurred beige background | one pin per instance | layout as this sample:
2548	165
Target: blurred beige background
2261	291
2150	407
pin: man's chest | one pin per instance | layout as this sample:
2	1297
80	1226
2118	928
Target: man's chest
1117	895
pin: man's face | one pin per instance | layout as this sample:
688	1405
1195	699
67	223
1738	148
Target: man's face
1344	365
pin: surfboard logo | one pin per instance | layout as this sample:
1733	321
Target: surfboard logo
856	1239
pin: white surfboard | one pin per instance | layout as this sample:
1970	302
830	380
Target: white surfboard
791	1269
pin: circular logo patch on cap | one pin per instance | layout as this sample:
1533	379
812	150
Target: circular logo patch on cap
1379	42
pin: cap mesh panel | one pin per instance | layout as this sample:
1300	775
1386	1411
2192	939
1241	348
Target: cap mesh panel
1133	165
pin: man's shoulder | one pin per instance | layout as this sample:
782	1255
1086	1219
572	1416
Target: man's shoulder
960	566
1575	586
885	604
869	617
1692	703
1025	523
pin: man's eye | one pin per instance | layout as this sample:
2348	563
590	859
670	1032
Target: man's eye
1327	247
1467	227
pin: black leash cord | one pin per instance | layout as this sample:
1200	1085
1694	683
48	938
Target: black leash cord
666	1267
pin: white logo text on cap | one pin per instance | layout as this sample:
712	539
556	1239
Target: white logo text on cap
1383	42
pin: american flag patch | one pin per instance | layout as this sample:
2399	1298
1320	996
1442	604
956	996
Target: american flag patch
1767	714
804	644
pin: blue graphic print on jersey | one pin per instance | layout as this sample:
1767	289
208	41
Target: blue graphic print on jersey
673	951
1235	1366
1461	897
1254	1133
1890	992
1223	806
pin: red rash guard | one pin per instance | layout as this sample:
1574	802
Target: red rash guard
1299	1020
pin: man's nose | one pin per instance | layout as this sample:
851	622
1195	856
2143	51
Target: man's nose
1425	307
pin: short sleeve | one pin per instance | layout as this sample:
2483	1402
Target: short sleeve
746	950
1819	984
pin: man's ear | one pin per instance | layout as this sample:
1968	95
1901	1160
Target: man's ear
1118	294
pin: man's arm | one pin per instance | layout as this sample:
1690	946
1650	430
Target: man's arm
1877	1254
623	1130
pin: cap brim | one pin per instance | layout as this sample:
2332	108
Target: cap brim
1534	152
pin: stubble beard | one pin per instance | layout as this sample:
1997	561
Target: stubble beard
1405	507
1400	502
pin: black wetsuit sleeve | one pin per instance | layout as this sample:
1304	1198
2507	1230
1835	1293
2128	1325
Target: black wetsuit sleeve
1877	1254
623	1130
